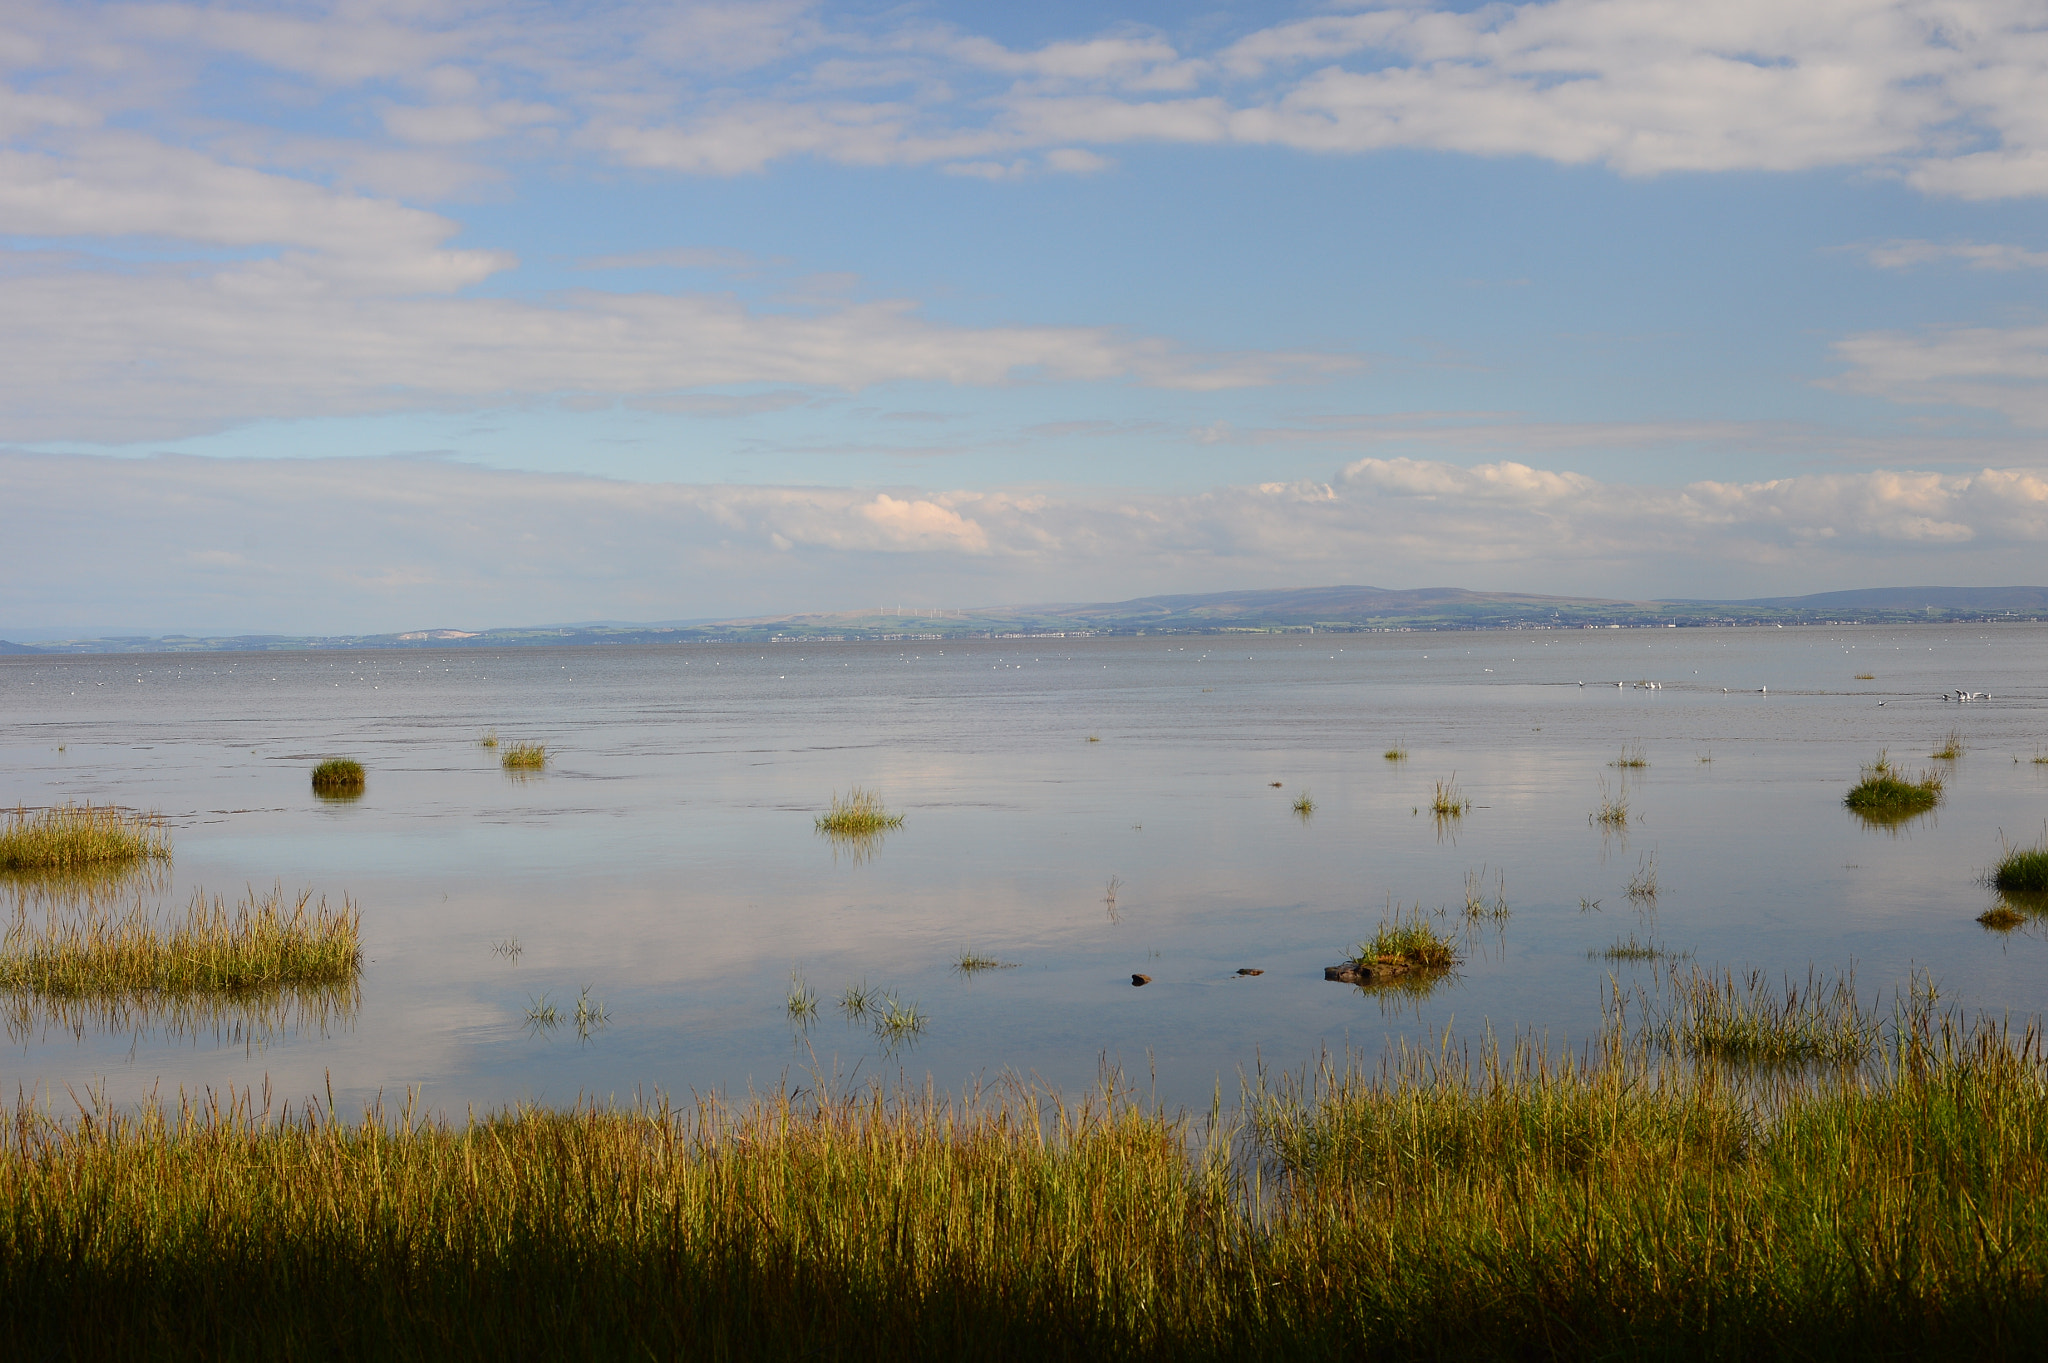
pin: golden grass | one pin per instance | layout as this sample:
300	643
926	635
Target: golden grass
1508	1203
1304	804
79	838
1449	802
1950	746
860	814
1631	756
265	942
525	757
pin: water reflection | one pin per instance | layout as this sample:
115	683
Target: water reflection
86	888
249	1019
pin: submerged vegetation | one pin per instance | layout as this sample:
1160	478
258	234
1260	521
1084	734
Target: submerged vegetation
338	776
1884	794
266	942
1950	746
1396	754
860	814
972	961
1613	810
1631	756
1503	1203
1304	804
525	757
68	838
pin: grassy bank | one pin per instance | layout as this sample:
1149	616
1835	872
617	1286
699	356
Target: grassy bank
69	838
1505	1207
265	942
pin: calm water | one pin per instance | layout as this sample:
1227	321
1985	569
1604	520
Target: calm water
667	861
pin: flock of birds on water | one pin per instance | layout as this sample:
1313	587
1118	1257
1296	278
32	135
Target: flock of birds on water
1958	695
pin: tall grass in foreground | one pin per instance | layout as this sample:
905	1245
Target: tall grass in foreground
859	814
266	942
80	838
1503	1204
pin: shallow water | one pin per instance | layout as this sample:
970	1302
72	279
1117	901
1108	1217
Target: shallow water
666	860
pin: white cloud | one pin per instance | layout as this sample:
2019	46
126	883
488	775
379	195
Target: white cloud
1978	255
440	543
2000	369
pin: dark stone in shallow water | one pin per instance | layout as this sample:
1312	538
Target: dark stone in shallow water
1364	972
1141	979
1248	970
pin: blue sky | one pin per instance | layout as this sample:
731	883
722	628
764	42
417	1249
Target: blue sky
381	316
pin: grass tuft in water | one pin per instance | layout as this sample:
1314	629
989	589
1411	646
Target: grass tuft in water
801	1003
857	1000
1304	804
972	961
1409	942
1866	676
79	838
525	757
264	943
1449	802
1631	949
1613	810
2001	918
1478	903
859	814
1642	886
898	1020
1950	746
1884	794
338	776
1396	754
2023	870
489	739
1631	756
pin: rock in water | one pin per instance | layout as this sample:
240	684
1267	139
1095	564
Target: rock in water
1141	979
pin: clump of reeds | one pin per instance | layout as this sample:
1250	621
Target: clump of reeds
1409	942
1642	886
2001	918
80	838
972	961
1631	756
1884	793
1613	810
897	1019
860	813
1629	948
1951	746
1866	676
489	739
338	776
525	757
1396	754
1304	804
2023	870
266	942
1449	802
1747	1019
802	1001
1478	903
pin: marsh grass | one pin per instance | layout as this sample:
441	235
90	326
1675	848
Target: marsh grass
1642	886
1396	754
1884	795
69	838
341	776
1409	941
857	1000
2022	870
1631	949
2001	918
1304	805
489	739
1951	746
971	962
1747	1019
264	943
1613	810
1449	802
524	757
898	1020
1631	756
1866	676
1497	1201
860	814
1479	904
801	1003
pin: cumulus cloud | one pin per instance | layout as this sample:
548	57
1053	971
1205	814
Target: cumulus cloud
437	543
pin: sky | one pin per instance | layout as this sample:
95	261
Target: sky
356	317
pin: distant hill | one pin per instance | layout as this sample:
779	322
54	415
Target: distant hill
1331	609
